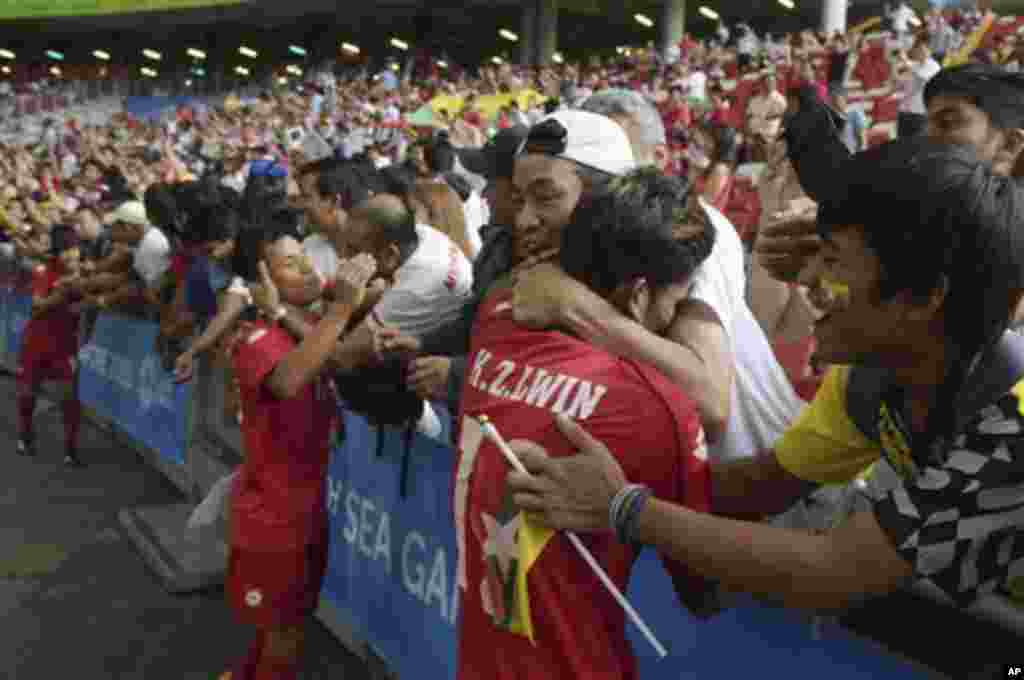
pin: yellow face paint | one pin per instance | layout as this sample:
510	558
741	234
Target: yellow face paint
840	292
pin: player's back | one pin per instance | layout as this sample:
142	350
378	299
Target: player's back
520	379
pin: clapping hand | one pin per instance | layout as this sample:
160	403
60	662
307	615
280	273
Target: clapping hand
353	275
266	295
788	243
391	343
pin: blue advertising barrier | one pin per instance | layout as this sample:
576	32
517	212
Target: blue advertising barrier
14	315
121	380
152	108
391	585
392	559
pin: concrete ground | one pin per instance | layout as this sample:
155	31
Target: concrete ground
76	600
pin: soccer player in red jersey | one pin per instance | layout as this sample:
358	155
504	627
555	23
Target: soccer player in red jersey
278	524
50	344
638	246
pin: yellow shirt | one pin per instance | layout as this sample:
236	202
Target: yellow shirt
824	445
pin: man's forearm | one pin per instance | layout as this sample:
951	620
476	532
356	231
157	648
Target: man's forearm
797	320
295	323
230	310
769	300
43	305
755	488
598	322
355	350
125	294
762	560
306	361
113	263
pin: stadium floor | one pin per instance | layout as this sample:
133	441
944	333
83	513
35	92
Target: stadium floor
76	599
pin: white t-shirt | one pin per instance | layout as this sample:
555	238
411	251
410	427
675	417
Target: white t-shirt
901	18
325	259
477	215
764	403
920	74
697	85
152	257
430	289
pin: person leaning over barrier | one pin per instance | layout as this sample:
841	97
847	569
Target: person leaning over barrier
931	389
278	524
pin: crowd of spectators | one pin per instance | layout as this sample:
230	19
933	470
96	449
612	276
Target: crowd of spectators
335	242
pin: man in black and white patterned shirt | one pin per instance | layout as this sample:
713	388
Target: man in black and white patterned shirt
922	265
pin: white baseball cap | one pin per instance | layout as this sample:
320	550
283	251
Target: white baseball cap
586	138
132	212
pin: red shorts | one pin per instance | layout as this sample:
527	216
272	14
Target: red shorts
37	367
275	589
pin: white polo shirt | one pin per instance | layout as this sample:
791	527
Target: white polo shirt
430	289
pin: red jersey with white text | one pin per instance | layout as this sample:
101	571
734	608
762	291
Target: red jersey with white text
55	333
279	500
520	379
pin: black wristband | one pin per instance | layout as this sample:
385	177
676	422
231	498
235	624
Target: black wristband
629	514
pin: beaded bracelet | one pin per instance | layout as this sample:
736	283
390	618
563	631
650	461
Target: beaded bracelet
615	509
633	513
625	508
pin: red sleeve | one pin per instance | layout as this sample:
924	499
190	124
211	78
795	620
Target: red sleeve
687	482
256	355
42	282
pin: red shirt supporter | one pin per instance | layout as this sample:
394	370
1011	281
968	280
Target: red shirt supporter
53	334
279	496
520	378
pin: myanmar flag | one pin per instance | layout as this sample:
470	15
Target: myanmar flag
532	540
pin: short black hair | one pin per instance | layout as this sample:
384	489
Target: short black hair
344	181
440	156
217	222
253	240
263	195
162	206
63	237
397	180
993	89
637	226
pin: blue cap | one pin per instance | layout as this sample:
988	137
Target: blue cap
267	168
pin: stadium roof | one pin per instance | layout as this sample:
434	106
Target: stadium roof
466	30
